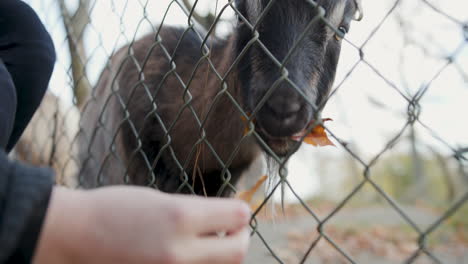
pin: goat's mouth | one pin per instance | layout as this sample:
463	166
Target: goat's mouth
281	146
279	125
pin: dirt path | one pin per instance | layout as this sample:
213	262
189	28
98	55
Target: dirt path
371	235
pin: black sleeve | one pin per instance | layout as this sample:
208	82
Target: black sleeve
28	53
27	57
24	198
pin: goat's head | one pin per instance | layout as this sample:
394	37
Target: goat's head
285	109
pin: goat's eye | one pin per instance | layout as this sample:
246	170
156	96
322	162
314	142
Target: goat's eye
343	30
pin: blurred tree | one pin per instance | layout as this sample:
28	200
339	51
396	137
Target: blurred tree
419	172
394	174
446	173
75	25
461	157
204	20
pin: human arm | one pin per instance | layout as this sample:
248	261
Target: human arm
141	225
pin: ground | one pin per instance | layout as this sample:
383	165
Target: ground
369	234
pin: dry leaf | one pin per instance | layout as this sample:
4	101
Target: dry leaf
317	137
248	195
246	122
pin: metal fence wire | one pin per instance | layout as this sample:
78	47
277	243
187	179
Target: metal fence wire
175	114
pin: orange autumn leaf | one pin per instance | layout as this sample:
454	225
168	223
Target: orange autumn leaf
246	123
247	196
318	136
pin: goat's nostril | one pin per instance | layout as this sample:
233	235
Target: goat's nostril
292	108
284	109
283	120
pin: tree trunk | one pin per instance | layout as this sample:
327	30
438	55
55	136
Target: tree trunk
75	26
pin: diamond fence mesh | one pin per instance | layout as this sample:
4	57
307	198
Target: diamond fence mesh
136	101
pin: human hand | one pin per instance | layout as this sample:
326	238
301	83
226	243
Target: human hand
141	225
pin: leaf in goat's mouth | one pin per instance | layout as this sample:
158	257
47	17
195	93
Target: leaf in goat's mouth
317	137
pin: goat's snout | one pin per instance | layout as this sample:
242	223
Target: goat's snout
284	114
284	107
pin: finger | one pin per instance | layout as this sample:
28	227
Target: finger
225	250
214	215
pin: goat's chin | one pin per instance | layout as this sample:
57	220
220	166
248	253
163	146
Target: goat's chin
281	146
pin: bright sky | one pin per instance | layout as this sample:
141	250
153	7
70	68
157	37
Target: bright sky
356	118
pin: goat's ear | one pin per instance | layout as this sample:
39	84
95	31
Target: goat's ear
359	12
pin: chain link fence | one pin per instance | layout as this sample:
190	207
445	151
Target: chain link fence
136	101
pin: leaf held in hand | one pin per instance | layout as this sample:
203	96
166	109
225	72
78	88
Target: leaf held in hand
247	196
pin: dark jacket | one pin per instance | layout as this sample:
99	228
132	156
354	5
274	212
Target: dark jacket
27	58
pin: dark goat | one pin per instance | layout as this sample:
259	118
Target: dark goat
121	127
